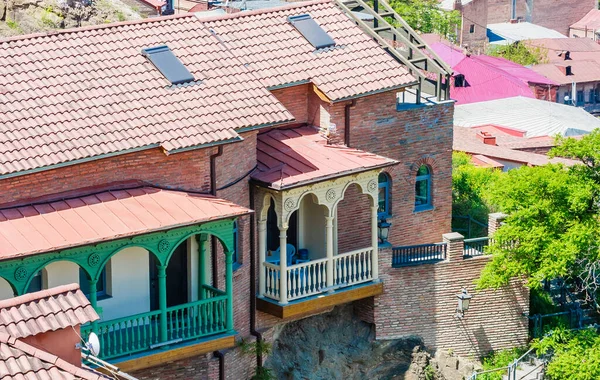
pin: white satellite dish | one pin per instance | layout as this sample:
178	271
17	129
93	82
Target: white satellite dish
93	344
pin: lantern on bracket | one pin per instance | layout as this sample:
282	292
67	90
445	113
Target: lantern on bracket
464	299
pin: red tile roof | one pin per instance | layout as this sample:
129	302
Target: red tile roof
89	92
276	52
47	310
19	360
466	140
293	157
107	215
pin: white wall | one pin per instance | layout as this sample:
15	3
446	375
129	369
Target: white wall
60	273
6	291
311	228
128	283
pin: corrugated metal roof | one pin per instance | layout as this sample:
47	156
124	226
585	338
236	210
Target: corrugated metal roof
582	71
21	361
580	49
290	157
536	117
107	215
47	310
590	21
506	32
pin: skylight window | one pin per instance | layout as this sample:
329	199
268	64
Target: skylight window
168	64
311	31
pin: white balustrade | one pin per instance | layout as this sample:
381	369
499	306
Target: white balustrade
272	274
307	278
353	267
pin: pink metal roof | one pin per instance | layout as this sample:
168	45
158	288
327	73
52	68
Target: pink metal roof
47	310
590	21
107	215
523	73
19	360
89	92
293	157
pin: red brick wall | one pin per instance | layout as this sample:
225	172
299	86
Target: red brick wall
201	367
354	221
187	170
295	99
494	320
474	13
412	137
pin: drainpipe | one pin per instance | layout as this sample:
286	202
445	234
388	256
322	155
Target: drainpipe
259	358
213	175
219	355
347	122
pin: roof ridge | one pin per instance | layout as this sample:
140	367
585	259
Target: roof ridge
293	5
36	296
93	27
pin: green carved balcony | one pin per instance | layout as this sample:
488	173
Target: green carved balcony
150	331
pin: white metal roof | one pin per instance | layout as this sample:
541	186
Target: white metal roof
536	117
449	4
521	31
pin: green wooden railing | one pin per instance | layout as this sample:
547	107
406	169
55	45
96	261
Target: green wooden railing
141	332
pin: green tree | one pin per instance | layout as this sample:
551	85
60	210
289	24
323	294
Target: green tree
469	184
519	53
425	16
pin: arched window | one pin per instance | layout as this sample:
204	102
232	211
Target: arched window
423	188
383	207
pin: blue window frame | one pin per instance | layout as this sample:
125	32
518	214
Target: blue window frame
84	284
383	206
36	283
236	235
423	188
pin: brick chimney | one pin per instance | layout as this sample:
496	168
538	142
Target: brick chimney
487	138
566	70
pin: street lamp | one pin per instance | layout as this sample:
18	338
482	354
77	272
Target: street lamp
384	230
464	298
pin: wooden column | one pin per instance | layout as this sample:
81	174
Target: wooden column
162	300
262	250
94	301
283	283
375	244
329	247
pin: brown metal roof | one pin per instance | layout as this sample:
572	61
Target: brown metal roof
107	215
293	157
47	310
19	360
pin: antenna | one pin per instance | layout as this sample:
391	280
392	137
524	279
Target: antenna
93	344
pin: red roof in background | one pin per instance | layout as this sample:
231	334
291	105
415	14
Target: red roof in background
89	92
293	157
107	215
554	49
590	21
19	360
47	310
582	71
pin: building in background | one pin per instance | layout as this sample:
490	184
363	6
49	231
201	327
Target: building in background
587	27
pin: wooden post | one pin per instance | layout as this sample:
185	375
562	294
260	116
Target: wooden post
202	243
375	244
329	240
283	284
229	290
162	300
94	301
262	250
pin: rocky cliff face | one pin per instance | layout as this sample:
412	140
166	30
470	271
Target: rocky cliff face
31	16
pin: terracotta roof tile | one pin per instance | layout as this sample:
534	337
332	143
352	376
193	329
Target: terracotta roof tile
106	215
19	360
47	310
291	157
89	92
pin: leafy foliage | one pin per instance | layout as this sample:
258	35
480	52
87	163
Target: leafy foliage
469	184
519	53
499	359
576	354
425	16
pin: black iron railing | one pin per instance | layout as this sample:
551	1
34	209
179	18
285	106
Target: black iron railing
418	254
477	246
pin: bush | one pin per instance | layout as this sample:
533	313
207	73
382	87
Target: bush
499	359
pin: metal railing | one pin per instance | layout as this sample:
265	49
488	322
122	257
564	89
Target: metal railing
511	369
477	246
418	254
141	332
